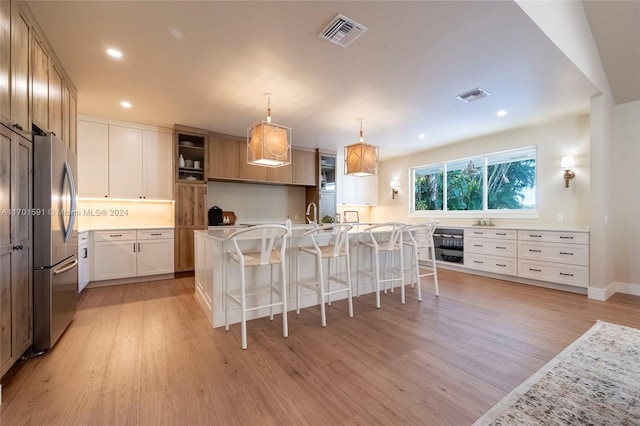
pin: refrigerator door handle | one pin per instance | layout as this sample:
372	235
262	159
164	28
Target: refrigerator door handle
72	213
62	268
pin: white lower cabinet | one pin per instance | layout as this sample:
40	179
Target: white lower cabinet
491	251
131	253
84	266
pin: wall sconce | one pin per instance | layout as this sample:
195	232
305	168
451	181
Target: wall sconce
394	189
567	163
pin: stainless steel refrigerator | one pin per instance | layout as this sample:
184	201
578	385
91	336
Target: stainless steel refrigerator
55	240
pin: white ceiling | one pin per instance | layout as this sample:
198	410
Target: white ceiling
616	30
207	64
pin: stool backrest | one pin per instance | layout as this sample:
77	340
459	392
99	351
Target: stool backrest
271	237
387	235
427	230
339	236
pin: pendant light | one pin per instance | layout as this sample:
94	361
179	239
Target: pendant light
361	159
268	144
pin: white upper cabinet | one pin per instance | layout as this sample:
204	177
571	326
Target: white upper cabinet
93	167
127	162
157	156
355	190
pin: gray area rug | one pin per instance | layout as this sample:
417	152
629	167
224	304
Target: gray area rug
594	381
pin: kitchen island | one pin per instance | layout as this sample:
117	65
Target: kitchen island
210	258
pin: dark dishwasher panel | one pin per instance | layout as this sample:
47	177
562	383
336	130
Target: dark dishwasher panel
449	244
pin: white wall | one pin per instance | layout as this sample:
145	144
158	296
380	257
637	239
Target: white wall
567	136
626	193
253	203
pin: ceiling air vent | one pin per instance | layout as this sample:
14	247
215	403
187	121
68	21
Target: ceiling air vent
473	95
342	31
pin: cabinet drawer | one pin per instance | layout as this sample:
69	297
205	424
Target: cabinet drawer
83	238
152	234
504	234
555	237
554	272
506	248
574	254
497	264
114	235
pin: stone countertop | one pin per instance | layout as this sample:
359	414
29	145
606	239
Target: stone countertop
121	228
559	228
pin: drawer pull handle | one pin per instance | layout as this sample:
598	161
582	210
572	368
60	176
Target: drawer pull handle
566	275
478	233
502	248
500	233
156	233
535	235
115	235
535	270
478	245
478	261
500	264
567	253
535	251
565	237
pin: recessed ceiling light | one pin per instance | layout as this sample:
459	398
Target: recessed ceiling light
422	136
125	104
501	113
115	53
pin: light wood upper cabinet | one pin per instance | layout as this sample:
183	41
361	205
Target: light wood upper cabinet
157	181
40	81
305	167
20	86
5	63
56	94
125	162
191	205
283	174
72	119
223	158
249	171
93	152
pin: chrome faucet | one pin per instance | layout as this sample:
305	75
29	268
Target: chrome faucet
315	213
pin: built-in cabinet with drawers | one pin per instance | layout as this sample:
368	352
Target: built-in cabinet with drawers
139	160
130	253
491	250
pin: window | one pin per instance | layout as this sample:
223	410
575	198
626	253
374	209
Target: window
503	181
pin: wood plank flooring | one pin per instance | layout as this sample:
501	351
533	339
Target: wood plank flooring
144	354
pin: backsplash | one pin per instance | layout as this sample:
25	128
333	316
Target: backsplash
95	214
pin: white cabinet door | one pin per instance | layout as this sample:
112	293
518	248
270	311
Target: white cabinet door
125	162
157	167
367	190
355	190
93	152
155	257
114	259
83	266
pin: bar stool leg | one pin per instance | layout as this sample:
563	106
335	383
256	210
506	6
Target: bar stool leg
283	279
243	308
435	272
377	266
417	270
402	293
358	271
298	283
329	281
349	293
225	293
321	283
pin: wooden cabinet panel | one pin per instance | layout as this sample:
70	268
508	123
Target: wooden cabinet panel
249	171
40	81
93	150
184	251
73	122
6	352
125	162
5	62
56	94
191	205
22	187
5	186
20	82
22	299
223	158
65	114
157	181
283	174
305	167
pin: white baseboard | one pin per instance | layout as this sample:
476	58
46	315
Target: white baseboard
603	294
628	288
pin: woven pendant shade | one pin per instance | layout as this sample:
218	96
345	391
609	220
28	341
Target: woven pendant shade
269	144
361	159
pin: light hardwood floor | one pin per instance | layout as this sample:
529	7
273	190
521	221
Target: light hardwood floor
144	354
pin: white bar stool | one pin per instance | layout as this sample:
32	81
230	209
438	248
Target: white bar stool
330	243
272	243
421	238
386	239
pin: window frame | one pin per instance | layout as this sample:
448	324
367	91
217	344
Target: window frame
485	212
